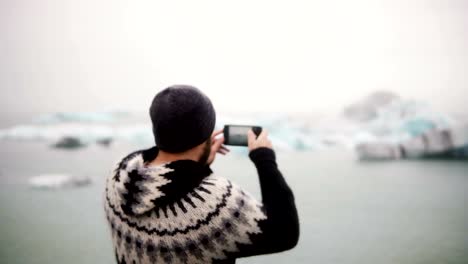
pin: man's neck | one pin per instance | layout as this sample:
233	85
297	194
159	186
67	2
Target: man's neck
165	157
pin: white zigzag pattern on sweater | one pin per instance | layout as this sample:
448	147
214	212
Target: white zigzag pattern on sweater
204	233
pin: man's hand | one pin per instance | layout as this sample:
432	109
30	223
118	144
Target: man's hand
216	146
261	141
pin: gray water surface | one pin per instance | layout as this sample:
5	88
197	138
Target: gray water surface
350	212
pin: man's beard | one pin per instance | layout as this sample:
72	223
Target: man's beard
206	152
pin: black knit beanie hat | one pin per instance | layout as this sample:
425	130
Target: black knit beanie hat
183	117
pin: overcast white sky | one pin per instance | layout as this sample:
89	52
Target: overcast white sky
85	55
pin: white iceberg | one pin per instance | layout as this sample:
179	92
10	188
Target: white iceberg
285	133
438	143
84	133
92	117
394	128
58	181
406	118
378	151
391	121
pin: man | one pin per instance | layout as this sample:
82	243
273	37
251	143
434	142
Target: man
164	205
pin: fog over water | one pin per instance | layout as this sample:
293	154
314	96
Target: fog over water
310	56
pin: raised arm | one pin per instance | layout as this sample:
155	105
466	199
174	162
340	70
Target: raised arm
280	230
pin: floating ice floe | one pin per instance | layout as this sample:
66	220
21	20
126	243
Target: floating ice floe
287	133
58	181
404	119
441	144
401	128
68	143
373	125
92	117
77	135
419	140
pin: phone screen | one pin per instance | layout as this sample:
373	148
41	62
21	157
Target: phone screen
238	135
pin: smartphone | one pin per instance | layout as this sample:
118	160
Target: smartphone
236	135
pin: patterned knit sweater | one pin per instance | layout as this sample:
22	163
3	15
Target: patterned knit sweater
179	212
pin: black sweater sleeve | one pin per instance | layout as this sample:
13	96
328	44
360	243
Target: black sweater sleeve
280	231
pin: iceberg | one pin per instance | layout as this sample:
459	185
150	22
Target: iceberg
54	133
390	121
105	142
442	144
407	118
378	151
286	133
68	143
74	135
92	117
58	181
394	128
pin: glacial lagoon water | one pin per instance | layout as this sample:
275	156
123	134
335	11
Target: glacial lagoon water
350	212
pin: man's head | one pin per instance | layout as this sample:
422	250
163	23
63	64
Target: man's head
182	117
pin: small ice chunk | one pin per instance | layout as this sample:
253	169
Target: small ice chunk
378	151
69	143
58	181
